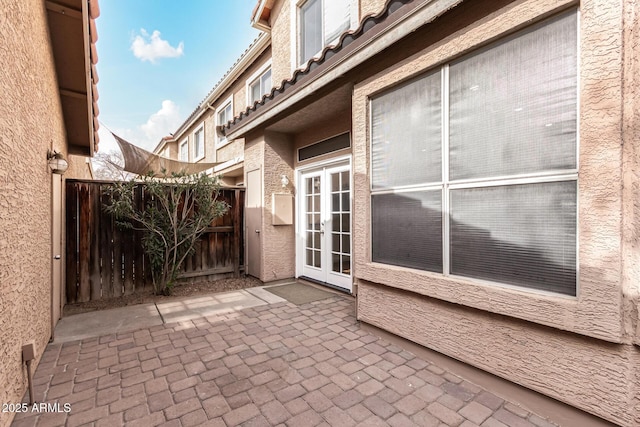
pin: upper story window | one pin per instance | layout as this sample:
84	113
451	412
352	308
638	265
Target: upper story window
259	85
321	22
166	152
224	113
474	166
198	143
184	151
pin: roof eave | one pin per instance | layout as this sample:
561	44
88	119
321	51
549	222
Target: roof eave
261	14
269	108
75	61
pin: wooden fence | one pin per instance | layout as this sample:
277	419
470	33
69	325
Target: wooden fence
105	261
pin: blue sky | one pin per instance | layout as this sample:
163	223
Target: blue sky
158	59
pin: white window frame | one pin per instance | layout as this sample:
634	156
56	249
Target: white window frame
221	141
166	152
447	185
257	76
182	144
198	157
296	30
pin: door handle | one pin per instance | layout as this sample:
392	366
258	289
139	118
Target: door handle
56	257
258	231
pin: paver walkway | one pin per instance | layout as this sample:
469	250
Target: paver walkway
277	364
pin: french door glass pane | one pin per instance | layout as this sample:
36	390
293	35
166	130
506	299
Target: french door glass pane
313	235
523	235
340	208
513	106
406	134
407	229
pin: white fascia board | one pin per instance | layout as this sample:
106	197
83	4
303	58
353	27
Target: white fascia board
415	19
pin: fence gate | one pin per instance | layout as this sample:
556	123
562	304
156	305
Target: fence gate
104	261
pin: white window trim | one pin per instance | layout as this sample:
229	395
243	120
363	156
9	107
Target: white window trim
255	76
204	145
222	141
184	142
296	27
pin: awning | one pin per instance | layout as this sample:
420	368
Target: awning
143	162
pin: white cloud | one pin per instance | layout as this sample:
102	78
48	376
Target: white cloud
150	48
160	124
147	135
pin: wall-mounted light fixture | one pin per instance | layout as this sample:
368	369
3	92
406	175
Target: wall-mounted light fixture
284	181
57	163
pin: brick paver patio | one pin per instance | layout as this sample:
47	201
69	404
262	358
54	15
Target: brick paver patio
276	364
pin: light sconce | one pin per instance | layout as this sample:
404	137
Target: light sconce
57	163
284	181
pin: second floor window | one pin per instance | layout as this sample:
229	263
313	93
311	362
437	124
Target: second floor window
223	115
321	23
260	86
198	143
184	151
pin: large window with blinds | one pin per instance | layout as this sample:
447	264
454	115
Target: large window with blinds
474	165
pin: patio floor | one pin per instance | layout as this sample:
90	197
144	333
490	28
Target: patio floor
271	364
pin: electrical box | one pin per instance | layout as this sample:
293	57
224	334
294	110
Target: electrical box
282	209
28	352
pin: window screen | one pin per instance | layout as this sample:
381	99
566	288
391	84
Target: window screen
513	105
406	134
322	22
407	229
518	234
199	143
512	138
336	19
311	31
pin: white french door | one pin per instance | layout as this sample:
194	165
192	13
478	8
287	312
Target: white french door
324	218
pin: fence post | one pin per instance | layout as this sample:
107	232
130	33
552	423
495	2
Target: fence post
236	233
71	249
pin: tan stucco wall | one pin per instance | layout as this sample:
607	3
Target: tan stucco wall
30	123
528	344
281	41
631	172
79	168
232	150
278	240
272	153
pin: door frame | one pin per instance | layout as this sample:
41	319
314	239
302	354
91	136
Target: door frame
345	160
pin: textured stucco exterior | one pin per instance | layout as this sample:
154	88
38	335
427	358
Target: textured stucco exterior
272	154
278	249
79	168
30	124
578	350
281	34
